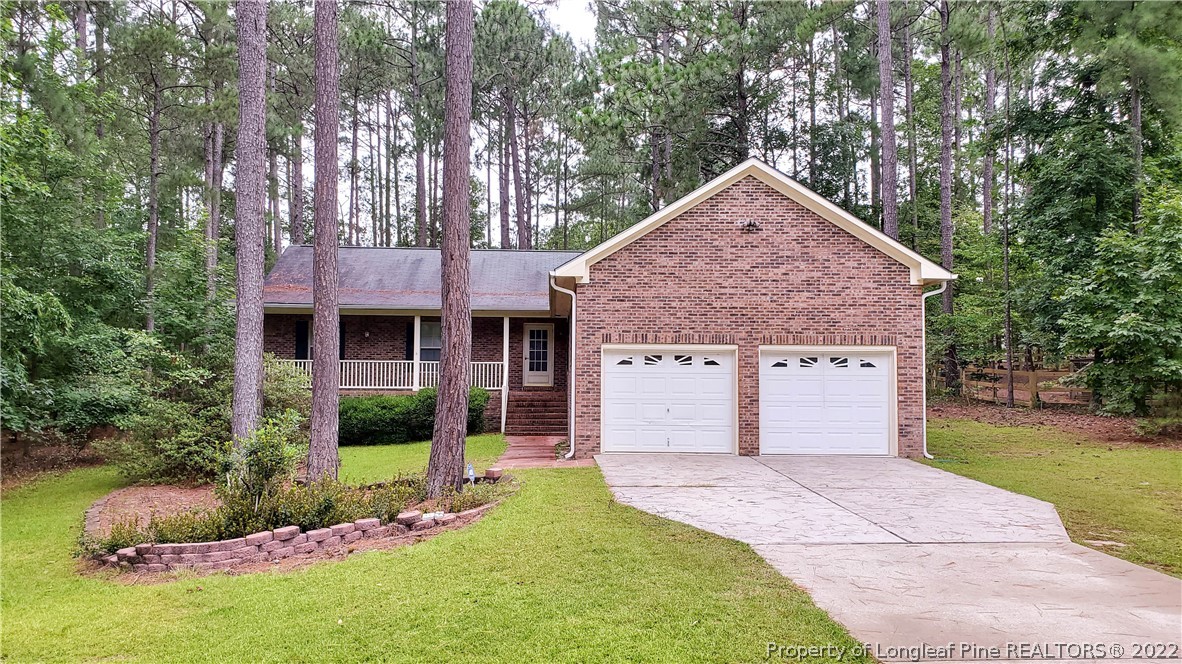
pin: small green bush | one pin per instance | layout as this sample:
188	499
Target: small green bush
177	433
385	420
474	496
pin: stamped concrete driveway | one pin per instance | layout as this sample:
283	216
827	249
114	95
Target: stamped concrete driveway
905	555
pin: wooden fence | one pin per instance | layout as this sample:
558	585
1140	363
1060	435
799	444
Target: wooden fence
1031	388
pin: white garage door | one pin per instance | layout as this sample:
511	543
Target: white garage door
835	402
661	400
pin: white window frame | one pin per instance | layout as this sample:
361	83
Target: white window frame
526	374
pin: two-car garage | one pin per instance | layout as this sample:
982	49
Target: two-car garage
811	400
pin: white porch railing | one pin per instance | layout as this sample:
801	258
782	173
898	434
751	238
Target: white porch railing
399	374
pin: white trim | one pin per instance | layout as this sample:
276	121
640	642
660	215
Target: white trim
504	373
730	349
923	271
525	372
892	388
418	378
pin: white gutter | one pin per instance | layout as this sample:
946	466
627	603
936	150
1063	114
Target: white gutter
570	375
924	363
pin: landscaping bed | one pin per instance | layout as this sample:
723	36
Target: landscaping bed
164	543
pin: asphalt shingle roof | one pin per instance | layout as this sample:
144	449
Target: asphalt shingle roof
406	278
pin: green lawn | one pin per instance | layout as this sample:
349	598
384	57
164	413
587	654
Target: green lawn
371	463
557	573
1128	494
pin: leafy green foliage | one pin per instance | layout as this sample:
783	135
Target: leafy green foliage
381	420
179	429
1129	308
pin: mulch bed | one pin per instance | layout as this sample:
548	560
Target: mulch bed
1113	430
20	468
141	503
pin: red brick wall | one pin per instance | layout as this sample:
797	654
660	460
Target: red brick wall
386	339
799	279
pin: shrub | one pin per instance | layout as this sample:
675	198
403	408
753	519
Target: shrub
177	433
473	496
317	505
383	420
263	462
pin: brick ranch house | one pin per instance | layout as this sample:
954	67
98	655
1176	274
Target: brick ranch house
750	317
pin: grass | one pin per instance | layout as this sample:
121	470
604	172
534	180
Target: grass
559	572
1129	494
371	463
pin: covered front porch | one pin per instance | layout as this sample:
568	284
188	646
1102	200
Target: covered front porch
384	353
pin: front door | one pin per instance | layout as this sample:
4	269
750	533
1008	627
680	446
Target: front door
538	367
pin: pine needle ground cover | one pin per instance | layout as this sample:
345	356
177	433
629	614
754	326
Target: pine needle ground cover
557	573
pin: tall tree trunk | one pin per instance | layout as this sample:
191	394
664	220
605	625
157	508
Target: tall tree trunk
1138	149
375	179
80	26
1008	185
250	226
323	460
417	113
297	188
213	225
957	99
273	195
503	177
446	465
518	186
987	117
812	112
153	203
951	368
886	98
387	225
354	173
912	147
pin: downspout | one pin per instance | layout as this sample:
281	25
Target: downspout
570	375
924	363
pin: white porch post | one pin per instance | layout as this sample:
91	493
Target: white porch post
416	380
504	373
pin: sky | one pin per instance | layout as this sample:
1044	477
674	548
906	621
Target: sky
575	18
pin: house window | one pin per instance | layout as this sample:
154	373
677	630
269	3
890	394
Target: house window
302	340
710	362
839	362
341	338
808	362
782	364
625	362
539	350
430	341
650	360
684	360
867	364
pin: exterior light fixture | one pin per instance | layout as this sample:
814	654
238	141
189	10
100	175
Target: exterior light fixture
748	225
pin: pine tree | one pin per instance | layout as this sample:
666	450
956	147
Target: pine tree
446	465
323	460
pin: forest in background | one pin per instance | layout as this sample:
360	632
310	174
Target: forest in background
1033	148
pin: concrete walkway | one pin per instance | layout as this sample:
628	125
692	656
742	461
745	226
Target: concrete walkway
905	555
535	452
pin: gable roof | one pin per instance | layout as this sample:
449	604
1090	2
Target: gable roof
923	271
408	279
